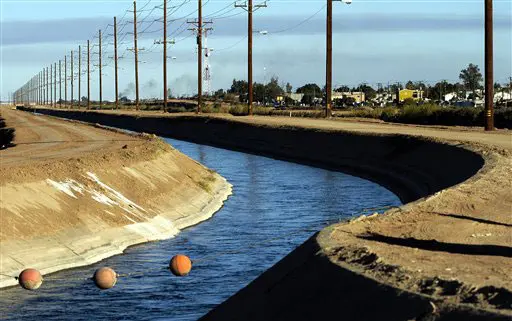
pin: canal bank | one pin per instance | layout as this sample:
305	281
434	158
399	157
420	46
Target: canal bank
74	194
450	245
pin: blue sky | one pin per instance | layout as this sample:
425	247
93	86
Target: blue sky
374	41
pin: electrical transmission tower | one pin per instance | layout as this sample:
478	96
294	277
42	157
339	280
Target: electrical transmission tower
207	77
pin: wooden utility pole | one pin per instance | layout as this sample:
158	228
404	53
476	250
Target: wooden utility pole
88	75
60	83
249	57
47	101
79	77
99	58
165	55
115	62
51	85
65	79
136	52
489	81
55	84
72	73
199	56
328	73
250	8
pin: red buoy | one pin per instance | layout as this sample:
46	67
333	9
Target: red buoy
105	278
180	265
30	279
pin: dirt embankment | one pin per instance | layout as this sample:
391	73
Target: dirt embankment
73	194
446	255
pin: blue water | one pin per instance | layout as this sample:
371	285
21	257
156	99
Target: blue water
275	206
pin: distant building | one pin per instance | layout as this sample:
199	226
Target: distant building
450	96
358	96
502	96
410	94
295	97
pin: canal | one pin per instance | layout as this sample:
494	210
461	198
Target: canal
275	206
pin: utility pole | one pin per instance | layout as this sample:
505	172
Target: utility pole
72	73
66	79
136	52
54	84
79	77
99	57
489	81
328	74
51	85
115	62
199	55
165	55
60	83
250	10
88	75
47	100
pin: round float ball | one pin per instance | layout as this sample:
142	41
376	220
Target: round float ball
105	278
180	265
30	279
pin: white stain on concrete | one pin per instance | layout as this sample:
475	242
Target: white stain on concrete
62	186
101	193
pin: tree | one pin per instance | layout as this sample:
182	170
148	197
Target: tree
342	89
369	92
240	88
410	85
310	92
288	88
219	94
272	89
258	92
471	77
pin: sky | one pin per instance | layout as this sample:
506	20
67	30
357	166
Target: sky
374	41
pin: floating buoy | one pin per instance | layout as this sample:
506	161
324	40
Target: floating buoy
30	279
180	265
105	278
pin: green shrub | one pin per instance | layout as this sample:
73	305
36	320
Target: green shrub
180	109
238	110
263	111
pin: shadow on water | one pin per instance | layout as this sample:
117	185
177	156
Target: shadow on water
274	208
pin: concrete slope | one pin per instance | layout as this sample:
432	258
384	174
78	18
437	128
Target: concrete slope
451	242
67	201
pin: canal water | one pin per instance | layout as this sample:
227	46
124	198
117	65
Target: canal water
275	206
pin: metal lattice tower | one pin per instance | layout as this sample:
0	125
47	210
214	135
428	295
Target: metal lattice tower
207	76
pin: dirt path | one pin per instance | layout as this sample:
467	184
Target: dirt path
40	141
498	138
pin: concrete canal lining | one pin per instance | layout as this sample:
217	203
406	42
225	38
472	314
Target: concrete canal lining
411	167
441	255
82	194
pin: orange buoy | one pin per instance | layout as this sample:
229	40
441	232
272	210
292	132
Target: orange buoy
30	279
180	265
105	278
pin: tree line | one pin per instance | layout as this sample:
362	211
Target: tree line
470	81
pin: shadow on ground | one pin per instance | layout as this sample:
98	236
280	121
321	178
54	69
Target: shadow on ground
6	135
306	285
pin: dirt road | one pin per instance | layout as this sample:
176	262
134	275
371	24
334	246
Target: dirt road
42	138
